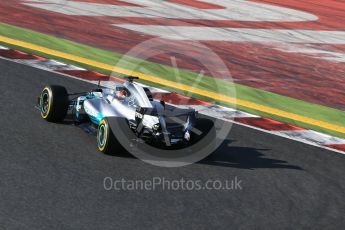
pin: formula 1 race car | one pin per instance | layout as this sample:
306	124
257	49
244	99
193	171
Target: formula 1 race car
151	121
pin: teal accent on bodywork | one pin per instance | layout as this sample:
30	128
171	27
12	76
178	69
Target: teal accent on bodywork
96	120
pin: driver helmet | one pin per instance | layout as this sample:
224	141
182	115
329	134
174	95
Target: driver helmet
122	93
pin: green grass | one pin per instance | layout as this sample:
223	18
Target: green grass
265	98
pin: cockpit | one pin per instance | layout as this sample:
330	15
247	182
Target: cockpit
132	95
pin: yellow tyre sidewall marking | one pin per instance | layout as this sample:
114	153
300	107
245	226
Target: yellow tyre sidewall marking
105	136
49	102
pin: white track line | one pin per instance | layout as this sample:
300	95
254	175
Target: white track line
49	64
280	134
238	10
312	136
239	35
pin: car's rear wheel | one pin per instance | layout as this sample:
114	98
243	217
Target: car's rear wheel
106	141
53	103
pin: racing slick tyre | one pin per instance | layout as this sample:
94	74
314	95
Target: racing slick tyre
106	141
53	103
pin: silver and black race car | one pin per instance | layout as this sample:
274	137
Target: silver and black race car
150	120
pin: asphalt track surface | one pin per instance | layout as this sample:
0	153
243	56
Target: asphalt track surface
52	176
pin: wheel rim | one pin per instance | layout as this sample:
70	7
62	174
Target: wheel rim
44	102
101	136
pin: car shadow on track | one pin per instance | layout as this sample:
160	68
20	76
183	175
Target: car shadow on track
244	158
235	157
226	155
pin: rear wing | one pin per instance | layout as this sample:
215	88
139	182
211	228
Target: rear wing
163	115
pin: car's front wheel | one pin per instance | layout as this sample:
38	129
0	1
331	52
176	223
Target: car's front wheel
106	141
